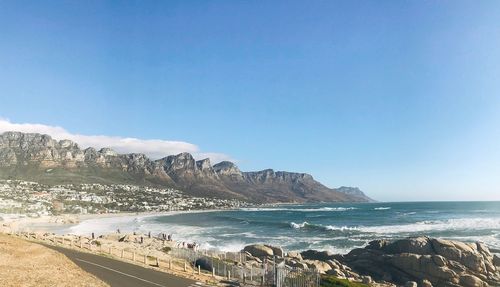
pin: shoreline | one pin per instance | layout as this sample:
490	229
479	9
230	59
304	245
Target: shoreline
352	266
51	223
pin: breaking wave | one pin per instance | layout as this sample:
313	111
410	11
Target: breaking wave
382	208
418	227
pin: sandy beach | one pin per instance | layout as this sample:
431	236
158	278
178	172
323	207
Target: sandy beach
55	223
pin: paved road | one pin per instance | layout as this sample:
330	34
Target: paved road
122	274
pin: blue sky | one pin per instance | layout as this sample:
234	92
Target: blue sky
400	98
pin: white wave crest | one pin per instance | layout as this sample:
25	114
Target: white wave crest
382	208
436	225
298	225
341	228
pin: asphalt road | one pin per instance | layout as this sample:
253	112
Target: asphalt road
122	274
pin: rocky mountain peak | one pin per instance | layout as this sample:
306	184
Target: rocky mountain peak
182	161
227	168
108	152
203	164
25	140
350	190
67	144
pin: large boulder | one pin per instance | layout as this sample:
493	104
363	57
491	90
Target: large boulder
259	250
294	255
441	263
496	261
321	266
317	255
277	251
295	263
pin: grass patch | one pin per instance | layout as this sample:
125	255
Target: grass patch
331	281
166	249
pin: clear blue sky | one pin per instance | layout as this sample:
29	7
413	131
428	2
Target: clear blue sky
400	98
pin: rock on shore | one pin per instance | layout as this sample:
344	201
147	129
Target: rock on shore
420	261
440	262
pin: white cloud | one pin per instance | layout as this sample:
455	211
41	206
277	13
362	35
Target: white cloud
154	148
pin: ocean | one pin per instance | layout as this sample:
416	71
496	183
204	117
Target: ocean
334	227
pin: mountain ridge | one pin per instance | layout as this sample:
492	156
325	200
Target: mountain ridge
36	156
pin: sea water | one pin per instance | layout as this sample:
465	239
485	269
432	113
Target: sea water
334	227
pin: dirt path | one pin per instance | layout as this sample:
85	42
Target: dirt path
23	263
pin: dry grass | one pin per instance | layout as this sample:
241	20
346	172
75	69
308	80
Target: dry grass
23	263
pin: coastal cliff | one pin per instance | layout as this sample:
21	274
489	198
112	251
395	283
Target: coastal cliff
31	156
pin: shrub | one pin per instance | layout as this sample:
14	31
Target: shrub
331	281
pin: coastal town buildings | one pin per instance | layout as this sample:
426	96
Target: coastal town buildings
36	199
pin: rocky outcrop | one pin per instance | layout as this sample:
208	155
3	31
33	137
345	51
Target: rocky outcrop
41	158
420	261
227	168
441	262
317	255
259	250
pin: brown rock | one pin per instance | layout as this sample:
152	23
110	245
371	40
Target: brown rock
321	266
496	261
316	255
259	250
471	281
294	255
277	251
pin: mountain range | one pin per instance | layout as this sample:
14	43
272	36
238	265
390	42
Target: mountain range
38	157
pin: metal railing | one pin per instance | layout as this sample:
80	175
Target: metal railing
231	265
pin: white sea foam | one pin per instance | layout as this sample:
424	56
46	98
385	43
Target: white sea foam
341	228
300	209
382	208
436	225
